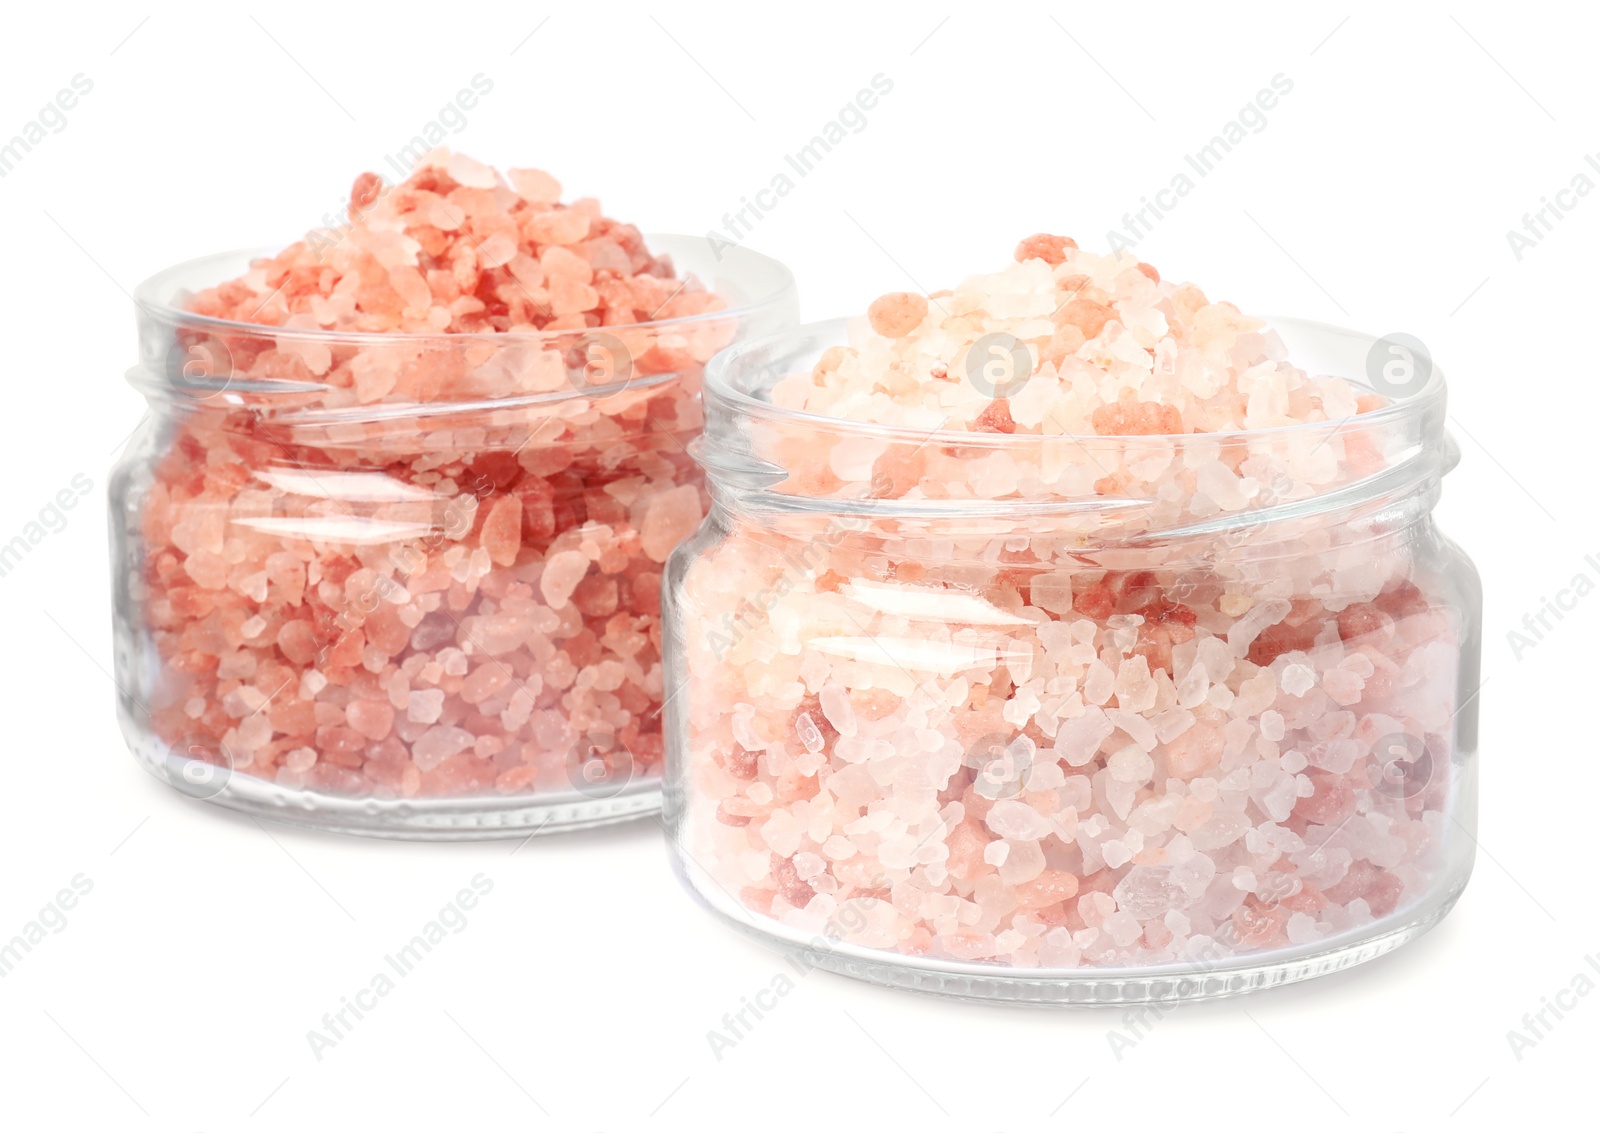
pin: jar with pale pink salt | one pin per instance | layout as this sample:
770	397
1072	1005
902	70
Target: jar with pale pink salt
388	545
1070	638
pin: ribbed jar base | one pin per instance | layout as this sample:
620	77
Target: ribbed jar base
1084	986
472	818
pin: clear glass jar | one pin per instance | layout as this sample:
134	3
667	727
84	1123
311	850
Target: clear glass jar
408	585
1061	719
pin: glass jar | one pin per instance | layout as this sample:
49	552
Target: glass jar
408	585
1072	719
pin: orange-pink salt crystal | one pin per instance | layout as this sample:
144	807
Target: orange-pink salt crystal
502	530
535	185
364	192
1043	246
1129	418
1085	314
669	518
897	314
372	718
562	573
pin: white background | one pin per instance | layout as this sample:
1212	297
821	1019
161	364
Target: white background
1379	195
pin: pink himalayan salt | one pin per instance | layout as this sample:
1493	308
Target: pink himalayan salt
671	516
562	573
520	609
1113	350
438	744
413	258
372	718
502	530
1186	756
897	315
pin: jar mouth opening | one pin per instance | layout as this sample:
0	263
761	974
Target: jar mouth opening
738	377
758	282
764	457
204	362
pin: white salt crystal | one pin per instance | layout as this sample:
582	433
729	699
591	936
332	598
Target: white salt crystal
1193	686
1024	862
744	732
425	706
1099	683
1052	591
1123	928
1116	853
1079	740
810	735
1015	819
1302	929
1171	724
1137	727
1130	765
836	706
1258	618
1298	679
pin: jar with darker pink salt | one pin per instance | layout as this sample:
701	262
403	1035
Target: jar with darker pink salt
388	545
1067	637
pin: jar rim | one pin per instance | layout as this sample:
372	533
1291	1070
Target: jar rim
723	388
763	457
155	297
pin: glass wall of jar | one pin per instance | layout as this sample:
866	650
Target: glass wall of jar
1065	719
409	585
